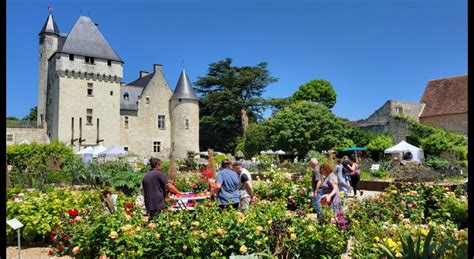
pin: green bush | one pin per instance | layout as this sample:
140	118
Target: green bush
438	163
378	144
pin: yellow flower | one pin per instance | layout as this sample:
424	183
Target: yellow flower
258	242
219	231
196	233
196	223
377	239
394	191
185	247
291	230
157	235
398	254
391	244
310	228
293	236
204	235
145	219
240	220
138	228
265	238
76	250
269	222
113	235
424	232
259	228
126	228
243	249
152	225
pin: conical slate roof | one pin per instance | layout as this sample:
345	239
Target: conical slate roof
85	39
50	26
184	88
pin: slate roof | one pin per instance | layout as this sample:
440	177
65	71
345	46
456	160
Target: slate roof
184	88
445	96
142	82
133	93
85	39
50	26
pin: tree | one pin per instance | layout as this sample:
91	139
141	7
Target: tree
32	116
255	140
378	145
304	126
230	101
318	91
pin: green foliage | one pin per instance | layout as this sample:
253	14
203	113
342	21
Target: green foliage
344	144
438	163
256	139
378	144
219	158
227	91
322	159
32	116
305	126
318	91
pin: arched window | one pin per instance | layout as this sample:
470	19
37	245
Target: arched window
125	96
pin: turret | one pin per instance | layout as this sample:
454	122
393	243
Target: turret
48	45
184	107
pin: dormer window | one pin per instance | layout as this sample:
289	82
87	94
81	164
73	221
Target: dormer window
147	99
89	60
109	62
71	57
126	97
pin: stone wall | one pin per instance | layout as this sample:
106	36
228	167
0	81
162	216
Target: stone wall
185	139
453	122
17	135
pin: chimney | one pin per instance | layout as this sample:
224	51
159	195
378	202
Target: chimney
96	24
157	67
143	73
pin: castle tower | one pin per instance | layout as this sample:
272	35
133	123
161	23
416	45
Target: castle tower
48	45
184	118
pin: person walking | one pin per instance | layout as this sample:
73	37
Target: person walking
227	186
245	188
343	183
316	181
330	190
353	170
154	184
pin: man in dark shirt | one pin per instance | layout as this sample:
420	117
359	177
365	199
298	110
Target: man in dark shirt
316	181
154	184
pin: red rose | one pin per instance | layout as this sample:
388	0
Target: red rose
128	205
193	185
73	213
129	212
68	238
105	193
50	252
60	247
410	205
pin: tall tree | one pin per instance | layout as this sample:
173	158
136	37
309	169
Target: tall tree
230	100
32	116
318	91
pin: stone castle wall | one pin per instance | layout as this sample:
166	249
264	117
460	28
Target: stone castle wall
17	135
453	122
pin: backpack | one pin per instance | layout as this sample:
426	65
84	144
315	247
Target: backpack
357	170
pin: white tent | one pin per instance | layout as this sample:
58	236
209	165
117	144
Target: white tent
113	151
280	152
87	149
404	147
96	151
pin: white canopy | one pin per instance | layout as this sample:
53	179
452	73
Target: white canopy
113	151
87	149
404	147
95	151
280	152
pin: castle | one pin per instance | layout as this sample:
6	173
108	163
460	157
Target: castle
82	102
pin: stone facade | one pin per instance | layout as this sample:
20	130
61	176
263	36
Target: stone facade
28	135
384	119
82	101
453	122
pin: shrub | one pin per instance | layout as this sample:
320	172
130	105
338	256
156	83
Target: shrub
378	144
438	163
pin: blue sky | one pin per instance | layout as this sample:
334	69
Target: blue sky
370	50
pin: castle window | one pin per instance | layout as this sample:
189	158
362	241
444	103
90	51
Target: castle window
126	122
125	96
89	89
180	100
9	137
71	57
89	117
59	56
109	62
125	149
147	99
67	72
111	93
156	146
89	60
186	124
161	121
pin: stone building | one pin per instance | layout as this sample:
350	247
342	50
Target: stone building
384	119
445	103
82	102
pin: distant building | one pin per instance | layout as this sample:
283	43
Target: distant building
445	103
82	102
384	119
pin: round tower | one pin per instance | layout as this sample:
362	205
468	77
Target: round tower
48	45
184	109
